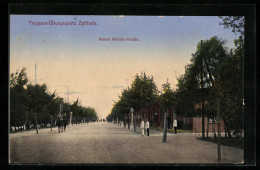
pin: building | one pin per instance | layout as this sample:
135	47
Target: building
155	115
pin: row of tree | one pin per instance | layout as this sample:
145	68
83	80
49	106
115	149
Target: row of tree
29	103
213	81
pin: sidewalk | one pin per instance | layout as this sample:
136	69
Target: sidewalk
108	143
155	132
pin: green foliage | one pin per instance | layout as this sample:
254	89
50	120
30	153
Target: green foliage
221	73
66	108
18	98
237	23
167	98
81	112
19	79
28	101
144	91
141	94
38	97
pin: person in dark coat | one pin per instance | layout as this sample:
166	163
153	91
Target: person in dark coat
147	126
175	125
65	122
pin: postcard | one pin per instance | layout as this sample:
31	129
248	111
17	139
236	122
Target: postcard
125	89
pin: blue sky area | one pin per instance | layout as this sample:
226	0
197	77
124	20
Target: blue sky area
96	71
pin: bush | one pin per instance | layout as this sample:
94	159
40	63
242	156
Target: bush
187	127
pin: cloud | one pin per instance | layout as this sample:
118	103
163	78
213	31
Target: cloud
112	87
181	16
76	92
72	92
59	85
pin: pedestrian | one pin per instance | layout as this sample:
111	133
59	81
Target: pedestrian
142	127
175	126
147	127
65	122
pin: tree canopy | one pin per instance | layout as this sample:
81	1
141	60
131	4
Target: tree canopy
28	101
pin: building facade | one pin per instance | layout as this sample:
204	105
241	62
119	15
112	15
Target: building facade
155	115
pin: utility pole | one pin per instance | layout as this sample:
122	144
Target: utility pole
165	127
68	94
35	74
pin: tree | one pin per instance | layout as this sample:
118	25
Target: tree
167	99
53	106
236	23
75	109
141	94
144	91
187	92
18	98
38	99
202	72
233	81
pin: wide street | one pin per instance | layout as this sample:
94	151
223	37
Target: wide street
101	142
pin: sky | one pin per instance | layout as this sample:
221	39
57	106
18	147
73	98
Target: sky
74	58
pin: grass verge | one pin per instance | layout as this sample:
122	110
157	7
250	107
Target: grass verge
171	130
235	142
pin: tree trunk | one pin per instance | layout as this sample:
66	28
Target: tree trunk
225	131
51	122
165	127
36	125
128	121
228	130
124	121
202	100
219	133
210	76
207	125
213	128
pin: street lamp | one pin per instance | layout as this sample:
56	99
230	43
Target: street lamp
132	123
70	117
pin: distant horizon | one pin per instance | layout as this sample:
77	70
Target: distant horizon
95	67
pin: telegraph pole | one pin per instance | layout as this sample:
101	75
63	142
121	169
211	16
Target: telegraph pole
68	94
35	74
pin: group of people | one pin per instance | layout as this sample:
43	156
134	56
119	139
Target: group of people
146	125
62	123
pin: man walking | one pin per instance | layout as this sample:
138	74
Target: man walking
142	127
175	125
147	127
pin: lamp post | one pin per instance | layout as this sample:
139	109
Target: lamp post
132	122
36	123
70	117
165	127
